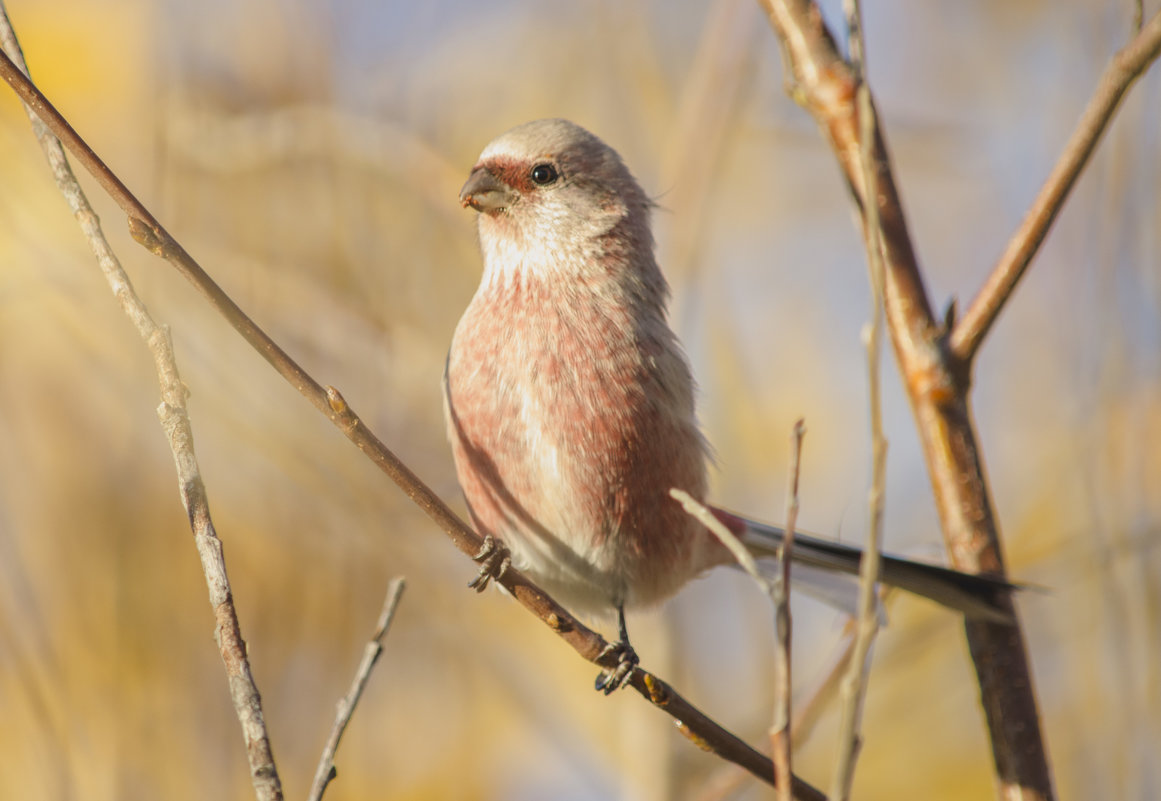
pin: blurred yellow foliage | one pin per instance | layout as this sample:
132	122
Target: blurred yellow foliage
310	156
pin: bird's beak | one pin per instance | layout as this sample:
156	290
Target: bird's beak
485	192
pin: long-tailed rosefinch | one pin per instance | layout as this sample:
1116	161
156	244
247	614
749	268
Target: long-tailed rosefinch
569	402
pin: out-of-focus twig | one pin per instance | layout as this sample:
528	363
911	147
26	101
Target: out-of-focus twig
346	706
827	682
696	145
145	228
251	140
175	422
1125	67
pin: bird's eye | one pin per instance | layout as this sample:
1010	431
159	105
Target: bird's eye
544	174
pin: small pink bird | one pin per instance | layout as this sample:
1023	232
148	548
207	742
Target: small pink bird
570	404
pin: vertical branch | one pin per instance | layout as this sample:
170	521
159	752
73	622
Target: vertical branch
854	684
780	735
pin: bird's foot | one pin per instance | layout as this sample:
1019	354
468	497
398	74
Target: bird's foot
618	676
494	560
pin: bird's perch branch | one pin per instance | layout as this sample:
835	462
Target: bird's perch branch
149	232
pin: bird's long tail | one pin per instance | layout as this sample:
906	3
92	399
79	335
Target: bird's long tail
977	596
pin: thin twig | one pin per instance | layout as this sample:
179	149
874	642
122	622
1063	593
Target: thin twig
746	560
780	739
701	513
778	593
1124	68
346	706
854	685
175	421
590	645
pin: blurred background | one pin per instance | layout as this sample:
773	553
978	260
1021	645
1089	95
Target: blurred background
309	154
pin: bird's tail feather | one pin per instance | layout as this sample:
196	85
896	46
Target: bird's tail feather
977	596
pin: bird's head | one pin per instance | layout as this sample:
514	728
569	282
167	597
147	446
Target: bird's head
551	193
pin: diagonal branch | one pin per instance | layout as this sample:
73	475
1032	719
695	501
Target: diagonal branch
146	229
1124	68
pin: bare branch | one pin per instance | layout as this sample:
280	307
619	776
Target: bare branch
175	422
145	228
1125	67
228	633
346	706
